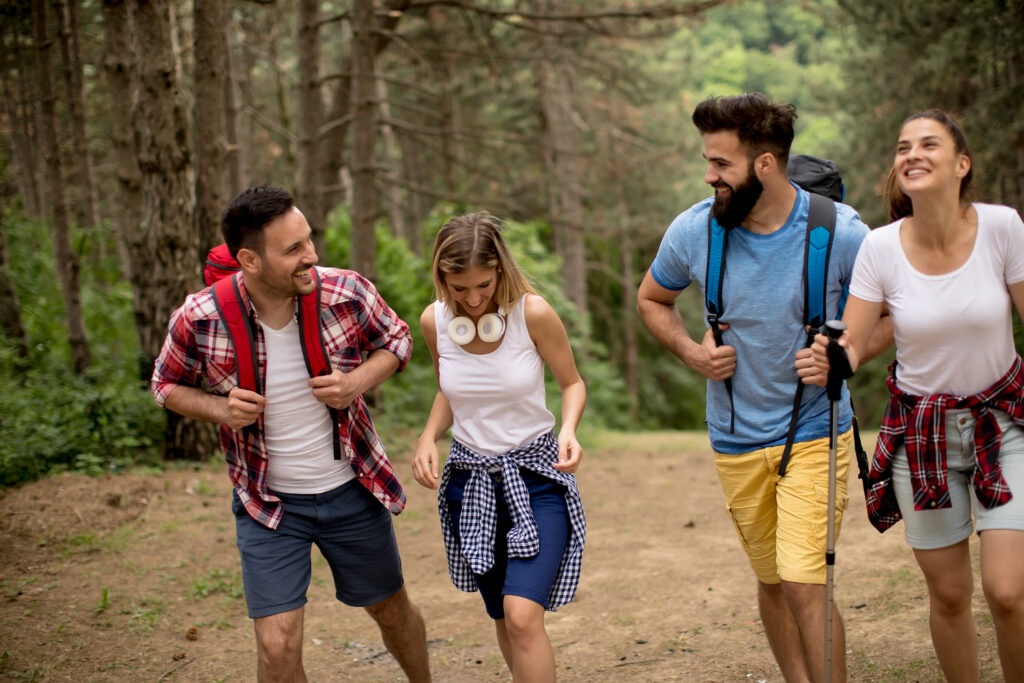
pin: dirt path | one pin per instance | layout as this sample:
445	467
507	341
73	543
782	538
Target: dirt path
137	578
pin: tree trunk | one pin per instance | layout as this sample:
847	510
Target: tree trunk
364	190
451	108
16	71
130	202
210	122
562	138
71	56
10	309
235	151
166	242
66	260
311	104
392	160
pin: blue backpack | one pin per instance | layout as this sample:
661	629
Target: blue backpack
821	179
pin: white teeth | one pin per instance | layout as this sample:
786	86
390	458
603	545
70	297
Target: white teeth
915	172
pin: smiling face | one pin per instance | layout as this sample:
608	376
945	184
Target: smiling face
472	290
283	269
927	159
731	172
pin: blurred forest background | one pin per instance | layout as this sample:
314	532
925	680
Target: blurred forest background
127	126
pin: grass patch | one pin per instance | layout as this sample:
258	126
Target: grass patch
218	581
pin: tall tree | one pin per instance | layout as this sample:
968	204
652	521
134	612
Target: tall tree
71	59
311	103
16	77
68	266
210	119
165	241
10	308
364	188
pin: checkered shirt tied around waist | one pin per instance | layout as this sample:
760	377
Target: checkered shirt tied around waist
919	422
354	320
478	523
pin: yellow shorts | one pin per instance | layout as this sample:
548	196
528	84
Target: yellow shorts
782	521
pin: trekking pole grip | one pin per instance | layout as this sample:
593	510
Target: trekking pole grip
839	364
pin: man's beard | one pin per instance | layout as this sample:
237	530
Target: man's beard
734	209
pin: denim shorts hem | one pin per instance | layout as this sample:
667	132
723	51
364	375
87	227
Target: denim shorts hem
271	610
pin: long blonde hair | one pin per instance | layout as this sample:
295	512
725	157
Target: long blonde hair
475	241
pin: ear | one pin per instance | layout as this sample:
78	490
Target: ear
249	260
963	165
764	164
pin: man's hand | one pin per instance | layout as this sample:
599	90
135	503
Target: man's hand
809	369
338	389
244	408
713	361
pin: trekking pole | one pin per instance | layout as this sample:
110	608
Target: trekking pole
839	370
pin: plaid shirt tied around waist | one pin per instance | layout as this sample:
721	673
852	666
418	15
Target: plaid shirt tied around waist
919	423
478	523
354	320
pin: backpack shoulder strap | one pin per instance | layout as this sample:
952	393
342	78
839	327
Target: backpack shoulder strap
821	227
228	299
314	352
718	242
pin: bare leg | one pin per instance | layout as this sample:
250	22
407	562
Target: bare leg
503	642
947	571
279	647
781	629
403	632
1003	583
533	659
807	602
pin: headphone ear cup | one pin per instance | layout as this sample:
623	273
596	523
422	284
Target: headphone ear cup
490	327
461	330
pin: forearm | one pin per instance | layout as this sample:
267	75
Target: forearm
574	398
666	325
372	372
197	404
439	421
880	340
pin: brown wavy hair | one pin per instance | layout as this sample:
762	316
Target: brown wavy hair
897	204
475	241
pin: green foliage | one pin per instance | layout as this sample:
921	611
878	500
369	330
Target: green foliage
51	419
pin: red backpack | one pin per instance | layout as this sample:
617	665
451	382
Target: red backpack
221	271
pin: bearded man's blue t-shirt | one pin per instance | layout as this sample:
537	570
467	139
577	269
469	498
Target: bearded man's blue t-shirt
763	300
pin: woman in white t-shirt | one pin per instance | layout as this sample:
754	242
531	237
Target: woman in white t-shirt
510	510
947	271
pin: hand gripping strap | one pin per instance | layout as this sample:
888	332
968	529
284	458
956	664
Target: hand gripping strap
228	300
318	363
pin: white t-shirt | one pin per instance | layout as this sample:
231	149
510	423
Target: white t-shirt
497	398
298	428
954	332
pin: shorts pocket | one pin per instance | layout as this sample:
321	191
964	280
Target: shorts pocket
739	529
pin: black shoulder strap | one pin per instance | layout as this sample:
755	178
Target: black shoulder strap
718	242
821	227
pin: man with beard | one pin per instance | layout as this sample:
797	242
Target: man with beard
781	521
304	458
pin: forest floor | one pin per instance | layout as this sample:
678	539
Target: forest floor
136	578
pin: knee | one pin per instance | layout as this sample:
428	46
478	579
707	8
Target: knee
278	649
951	597
1005	597
393	611
523	621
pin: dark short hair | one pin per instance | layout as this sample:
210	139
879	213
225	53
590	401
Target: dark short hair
248	213
761	125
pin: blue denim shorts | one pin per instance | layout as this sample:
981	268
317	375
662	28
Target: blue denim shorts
353	532
932	529
530	577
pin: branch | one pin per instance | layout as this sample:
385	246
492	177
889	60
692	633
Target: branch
662	11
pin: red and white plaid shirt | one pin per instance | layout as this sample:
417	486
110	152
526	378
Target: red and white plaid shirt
354	320
919	422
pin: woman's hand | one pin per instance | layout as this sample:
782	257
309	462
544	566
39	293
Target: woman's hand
570	452
424	463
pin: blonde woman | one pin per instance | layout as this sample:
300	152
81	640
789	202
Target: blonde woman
510	511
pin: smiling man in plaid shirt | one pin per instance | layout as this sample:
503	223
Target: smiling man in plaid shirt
291	487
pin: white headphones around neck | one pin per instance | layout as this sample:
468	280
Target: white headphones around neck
489	328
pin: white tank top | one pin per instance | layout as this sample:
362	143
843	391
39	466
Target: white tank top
497	398
297	427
